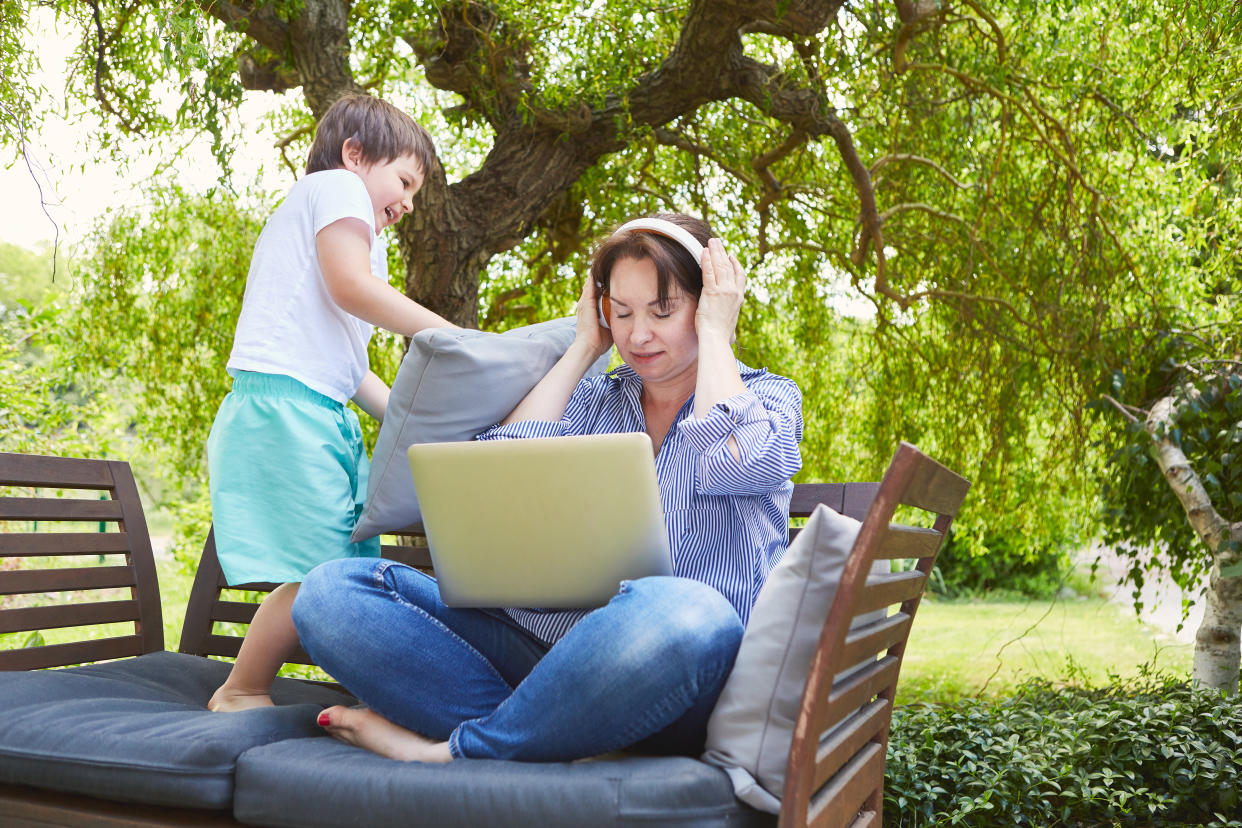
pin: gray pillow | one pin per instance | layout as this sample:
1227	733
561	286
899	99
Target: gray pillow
453	384
750	730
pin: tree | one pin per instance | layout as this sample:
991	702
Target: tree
999	186
1177	487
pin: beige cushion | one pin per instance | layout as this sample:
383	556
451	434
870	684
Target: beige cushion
751	728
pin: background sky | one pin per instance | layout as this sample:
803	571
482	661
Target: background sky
79	182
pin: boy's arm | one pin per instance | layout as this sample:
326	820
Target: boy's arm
372	396
345	259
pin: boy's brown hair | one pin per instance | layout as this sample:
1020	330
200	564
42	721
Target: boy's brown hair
381	130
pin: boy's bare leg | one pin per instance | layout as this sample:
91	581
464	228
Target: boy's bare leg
269	642
367	729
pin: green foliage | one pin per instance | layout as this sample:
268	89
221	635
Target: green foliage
1202	371
1053	185
17	62
967	567
27	278
158	301
46	407
1156	753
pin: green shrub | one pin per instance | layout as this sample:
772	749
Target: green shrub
967	567
1160	753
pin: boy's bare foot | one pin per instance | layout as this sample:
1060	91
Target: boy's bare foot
367	729
228	700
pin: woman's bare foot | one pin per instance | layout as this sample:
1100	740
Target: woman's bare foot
367	729
230	700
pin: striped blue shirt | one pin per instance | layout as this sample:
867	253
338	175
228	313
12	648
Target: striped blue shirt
727	520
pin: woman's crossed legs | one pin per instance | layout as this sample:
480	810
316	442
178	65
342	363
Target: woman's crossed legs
645	669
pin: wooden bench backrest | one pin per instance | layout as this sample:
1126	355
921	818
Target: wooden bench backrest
835	775
100	544
209	605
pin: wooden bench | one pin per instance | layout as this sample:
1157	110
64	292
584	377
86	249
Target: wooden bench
840	784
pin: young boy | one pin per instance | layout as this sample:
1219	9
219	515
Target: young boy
288	471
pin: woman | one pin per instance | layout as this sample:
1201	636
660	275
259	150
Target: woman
646	669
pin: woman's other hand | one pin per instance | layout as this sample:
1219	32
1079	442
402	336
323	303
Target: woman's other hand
724	286
591	334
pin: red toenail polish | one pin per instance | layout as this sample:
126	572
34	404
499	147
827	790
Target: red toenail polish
324	719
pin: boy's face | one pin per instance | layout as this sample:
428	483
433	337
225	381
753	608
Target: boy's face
391	185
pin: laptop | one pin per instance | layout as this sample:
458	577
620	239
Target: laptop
554	522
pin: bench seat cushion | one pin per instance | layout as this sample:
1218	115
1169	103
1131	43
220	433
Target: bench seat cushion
317	782
138	729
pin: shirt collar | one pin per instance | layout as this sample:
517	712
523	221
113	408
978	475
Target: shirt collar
627	376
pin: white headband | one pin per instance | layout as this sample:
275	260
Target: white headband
666	228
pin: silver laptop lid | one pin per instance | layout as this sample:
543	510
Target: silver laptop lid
548	522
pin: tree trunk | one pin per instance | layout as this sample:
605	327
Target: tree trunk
1217	642
1217	639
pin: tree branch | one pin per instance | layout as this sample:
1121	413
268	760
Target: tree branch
258	21
917	159
1181	477
1124	409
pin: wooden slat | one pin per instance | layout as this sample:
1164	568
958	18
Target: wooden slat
932	486
151	616
415	556
300	657
220	645
196	628
229	645
54	472
907	542
237	612
58	508
858	689
59	655
874	639
18	582
839	804
890	589
867	819
806	496
849	738
414	530
25	807
856	499
255	586
31	544
67	615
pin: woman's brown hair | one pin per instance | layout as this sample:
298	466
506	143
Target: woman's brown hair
673	262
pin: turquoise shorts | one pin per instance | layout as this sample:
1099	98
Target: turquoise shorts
288	476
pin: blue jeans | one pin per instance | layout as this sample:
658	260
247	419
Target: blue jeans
644	670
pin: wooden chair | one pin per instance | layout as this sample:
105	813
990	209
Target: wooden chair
835	774
78	591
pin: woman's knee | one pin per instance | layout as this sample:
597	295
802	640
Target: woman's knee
684	617
330	589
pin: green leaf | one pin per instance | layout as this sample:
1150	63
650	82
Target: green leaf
1233	571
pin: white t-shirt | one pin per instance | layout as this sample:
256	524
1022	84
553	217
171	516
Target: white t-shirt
289	323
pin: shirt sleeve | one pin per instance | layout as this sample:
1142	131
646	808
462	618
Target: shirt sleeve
577	419
340	194
766	422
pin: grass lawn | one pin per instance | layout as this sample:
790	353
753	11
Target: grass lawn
967	647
